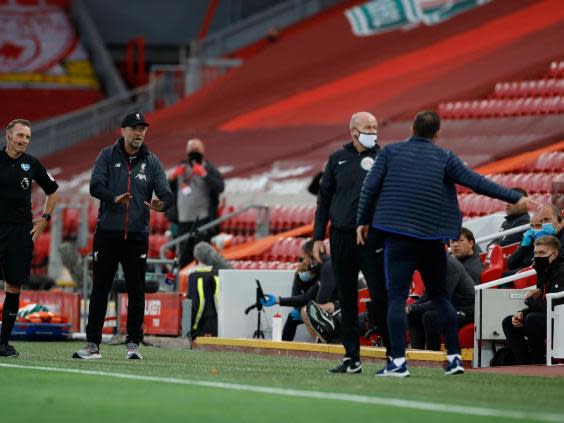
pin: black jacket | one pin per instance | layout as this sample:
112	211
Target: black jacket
510	223
323	290
340	186
550	282
115	174
473	266
459	286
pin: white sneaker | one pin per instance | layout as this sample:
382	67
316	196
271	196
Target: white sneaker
132	350
89	352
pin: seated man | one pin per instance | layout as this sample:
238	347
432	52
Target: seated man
515	215
313	281
526	330
546	221
422	316
464	249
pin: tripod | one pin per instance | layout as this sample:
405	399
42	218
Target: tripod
258	334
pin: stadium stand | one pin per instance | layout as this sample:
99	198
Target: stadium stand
44	69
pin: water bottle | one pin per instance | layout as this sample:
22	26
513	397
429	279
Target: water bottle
277	327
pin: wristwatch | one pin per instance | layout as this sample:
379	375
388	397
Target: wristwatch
46	216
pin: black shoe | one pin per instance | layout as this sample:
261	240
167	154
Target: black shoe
321	322
8	351
347	366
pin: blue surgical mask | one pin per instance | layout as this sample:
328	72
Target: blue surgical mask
547	229
305	276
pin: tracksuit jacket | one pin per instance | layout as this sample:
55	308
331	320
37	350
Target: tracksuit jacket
340	187
141	175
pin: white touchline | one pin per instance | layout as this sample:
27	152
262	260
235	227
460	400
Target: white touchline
334	396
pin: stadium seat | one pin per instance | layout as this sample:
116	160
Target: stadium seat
493	264
466	336
525	282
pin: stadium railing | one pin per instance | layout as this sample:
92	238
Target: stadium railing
554	342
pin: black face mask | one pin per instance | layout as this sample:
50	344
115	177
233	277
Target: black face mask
541	264
196	157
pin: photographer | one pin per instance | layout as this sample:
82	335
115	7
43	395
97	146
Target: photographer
197	184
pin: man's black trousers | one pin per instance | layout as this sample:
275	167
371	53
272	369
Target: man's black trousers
402	257
108	252
348	258
527	342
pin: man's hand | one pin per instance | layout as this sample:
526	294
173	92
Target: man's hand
269	300
318	249
198	169
534	294
123	198
178	171
517	320
529	202
156	205
361	234
39	226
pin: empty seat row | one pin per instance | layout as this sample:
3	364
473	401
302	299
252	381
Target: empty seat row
533	88
548	162
280	219
263	265
489	108
556	69
473	204
531	182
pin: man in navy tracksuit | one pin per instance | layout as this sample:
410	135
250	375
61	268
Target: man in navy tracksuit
337	202
410	195
124	178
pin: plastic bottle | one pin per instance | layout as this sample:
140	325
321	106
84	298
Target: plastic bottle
277	327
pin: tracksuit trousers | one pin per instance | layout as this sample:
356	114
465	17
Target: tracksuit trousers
348	258
108	252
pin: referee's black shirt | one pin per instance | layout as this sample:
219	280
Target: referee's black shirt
16	176
340	186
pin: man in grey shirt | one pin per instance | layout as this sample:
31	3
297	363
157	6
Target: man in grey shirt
197	185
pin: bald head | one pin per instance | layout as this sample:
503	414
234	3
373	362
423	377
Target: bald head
364	130
195	145
362	118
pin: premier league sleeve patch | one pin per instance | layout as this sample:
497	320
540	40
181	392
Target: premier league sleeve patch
25	166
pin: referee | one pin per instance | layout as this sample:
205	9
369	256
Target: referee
124	177
337	202
410	195
18	231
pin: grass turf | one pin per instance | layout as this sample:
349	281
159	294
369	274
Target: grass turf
51	396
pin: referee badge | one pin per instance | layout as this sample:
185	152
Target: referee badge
25	166
25	183
366	163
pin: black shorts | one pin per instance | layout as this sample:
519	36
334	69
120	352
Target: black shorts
16	249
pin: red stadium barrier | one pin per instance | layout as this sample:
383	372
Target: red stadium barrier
163	313
66	304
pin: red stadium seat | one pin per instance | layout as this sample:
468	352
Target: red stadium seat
493	264
466	336
525	282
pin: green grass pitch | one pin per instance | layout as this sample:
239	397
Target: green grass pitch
182	385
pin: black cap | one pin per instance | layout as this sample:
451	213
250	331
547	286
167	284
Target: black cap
133	119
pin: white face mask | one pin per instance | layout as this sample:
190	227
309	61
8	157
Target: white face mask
367	140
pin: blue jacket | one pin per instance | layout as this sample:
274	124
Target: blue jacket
411	191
